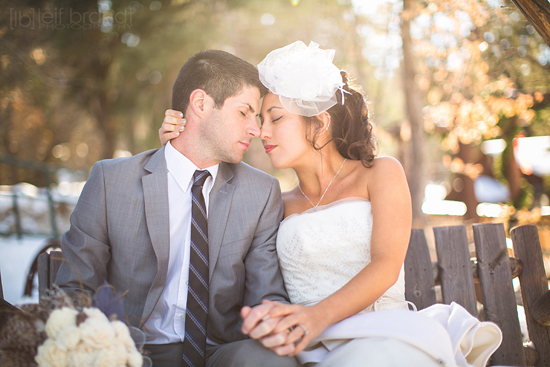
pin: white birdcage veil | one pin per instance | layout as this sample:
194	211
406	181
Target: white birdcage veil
304	78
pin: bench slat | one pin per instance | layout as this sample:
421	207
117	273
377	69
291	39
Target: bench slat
499	301
43	273
418	272
48	265
454	267
56	259
533	285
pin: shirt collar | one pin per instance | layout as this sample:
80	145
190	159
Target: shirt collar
183	169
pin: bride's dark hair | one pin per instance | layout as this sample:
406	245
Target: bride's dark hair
350	126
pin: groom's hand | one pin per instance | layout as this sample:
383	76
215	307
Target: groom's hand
257	321
259	324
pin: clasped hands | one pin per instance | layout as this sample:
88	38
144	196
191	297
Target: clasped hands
285	329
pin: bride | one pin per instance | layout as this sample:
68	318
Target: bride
343	241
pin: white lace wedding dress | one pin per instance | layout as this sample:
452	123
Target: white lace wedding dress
321	249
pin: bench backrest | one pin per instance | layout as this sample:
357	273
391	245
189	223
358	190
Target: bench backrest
492	271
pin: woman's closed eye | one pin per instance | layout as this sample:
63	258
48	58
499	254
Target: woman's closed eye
277	119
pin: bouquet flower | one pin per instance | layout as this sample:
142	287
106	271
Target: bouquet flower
62	332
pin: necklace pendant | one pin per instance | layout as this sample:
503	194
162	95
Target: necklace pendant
322	196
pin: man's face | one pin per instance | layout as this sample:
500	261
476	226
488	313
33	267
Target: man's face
229	130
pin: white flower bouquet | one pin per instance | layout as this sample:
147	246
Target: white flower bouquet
60	332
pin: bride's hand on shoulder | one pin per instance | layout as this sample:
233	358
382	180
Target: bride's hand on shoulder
300	324
172	126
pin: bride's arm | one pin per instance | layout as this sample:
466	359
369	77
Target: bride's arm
391	209
172	126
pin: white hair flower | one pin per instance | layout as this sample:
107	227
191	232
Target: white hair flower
304	77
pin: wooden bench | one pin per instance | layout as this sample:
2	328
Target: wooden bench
458	273
492	270
48	265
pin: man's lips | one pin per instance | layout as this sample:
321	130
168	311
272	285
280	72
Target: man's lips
245	144
269	148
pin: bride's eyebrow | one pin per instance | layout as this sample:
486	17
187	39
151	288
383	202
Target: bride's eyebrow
268	111
272	107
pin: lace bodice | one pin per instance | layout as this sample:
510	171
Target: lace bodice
321	250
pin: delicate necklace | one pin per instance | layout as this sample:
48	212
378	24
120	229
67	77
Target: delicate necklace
315	206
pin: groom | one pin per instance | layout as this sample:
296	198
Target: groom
187	230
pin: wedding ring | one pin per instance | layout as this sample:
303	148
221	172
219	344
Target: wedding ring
303	327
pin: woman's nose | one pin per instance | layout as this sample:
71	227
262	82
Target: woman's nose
265	133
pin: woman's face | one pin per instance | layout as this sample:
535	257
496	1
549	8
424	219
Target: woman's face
283	133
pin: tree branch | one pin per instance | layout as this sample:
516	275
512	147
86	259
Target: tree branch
537	13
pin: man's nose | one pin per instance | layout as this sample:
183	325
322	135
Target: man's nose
253	128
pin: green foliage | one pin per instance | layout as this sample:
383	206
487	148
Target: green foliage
525	197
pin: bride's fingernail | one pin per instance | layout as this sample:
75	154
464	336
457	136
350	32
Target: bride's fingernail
180	114
177	133
183	121
181	127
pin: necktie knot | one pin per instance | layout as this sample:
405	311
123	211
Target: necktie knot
199	177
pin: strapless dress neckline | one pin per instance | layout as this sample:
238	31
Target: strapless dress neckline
327	206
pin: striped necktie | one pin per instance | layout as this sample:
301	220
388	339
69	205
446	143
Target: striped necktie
194	345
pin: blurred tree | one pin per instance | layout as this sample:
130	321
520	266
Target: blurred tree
482	67
24	91
413	109
537	13
83	80
84	74
103	70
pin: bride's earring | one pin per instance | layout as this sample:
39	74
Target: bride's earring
326	128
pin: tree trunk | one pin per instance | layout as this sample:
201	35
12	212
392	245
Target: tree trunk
413	108
468	195
105	124
537	13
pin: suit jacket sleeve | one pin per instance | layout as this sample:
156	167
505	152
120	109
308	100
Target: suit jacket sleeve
86	246
263	275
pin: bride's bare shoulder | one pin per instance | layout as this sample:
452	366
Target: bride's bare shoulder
381	166
386	163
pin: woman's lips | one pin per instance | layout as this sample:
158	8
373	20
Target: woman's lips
269	148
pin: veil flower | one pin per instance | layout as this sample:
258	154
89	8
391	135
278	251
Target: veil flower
304	77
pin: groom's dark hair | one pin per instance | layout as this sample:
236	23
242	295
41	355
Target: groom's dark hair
220	74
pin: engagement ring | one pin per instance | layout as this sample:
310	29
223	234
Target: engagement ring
303	327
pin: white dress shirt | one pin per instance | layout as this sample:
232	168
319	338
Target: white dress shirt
167	321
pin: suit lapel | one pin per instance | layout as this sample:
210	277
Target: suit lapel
218	212
155	196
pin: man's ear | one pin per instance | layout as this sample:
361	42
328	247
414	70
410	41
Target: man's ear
200	103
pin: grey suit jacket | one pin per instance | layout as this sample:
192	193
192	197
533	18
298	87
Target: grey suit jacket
120	233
